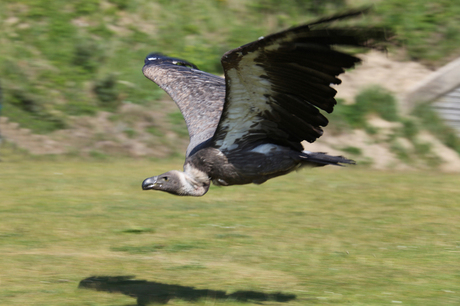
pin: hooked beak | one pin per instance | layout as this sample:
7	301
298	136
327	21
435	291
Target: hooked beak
150	183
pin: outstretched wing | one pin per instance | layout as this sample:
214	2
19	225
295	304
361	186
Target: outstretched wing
199	95
276	85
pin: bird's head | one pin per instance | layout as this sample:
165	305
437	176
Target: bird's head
158	58
176	182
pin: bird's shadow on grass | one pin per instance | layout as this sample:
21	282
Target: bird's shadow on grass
148	292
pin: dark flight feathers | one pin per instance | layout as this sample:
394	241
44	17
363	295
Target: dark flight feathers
249	127
274	87
298	66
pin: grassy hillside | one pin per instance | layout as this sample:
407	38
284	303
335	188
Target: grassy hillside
338	236
61	58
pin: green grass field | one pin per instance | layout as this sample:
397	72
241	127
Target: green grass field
323	236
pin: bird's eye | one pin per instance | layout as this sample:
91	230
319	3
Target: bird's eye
166	178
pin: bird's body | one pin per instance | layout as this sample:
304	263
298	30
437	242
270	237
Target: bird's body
248	127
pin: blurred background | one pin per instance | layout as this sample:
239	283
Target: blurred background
72	81
81	127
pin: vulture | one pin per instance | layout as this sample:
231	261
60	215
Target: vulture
249	126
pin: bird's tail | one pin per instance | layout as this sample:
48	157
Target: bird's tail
318	159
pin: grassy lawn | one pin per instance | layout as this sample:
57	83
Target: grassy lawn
322	236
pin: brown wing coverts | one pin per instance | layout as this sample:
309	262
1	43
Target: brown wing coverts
199	95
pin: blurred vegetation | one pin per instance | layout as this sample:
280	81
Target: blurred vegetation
429	30
377	101
61	59
433	123
373	100
331	236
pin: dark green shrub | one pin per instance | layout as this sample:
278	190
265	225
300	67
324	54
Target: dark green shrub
373	100
401	152
28	110
377	100
25	101
88	55
352	150
120	4
107	92
410	129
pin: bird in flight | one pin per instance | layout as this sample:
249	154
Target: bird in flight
248	127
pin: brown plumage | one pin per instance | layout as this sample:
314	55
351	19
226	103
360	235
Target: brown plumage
248	127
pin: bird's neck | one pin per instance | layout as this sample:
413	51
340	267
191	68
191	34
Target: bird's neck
194	181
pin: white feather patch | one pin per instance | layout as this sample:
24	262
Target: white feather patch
195	174
248	94
247	99
266	148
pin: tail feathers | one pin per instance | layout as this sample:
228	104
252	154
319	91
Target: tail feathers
321	159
